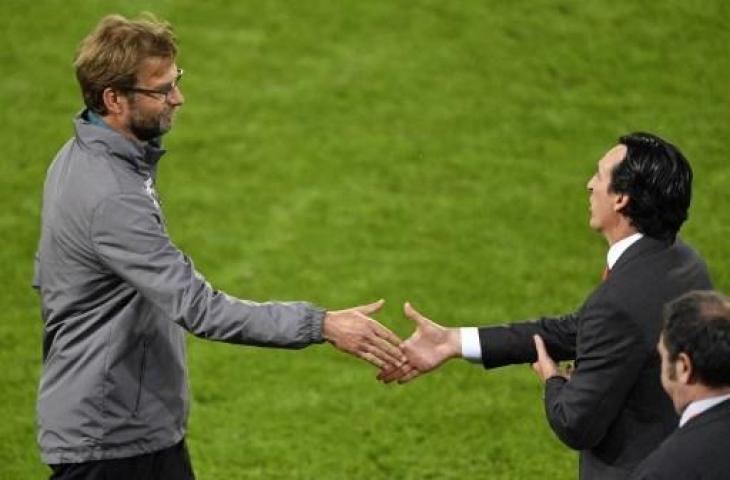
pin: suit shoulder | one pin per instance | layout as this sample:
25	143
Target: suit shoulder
691	453
661	274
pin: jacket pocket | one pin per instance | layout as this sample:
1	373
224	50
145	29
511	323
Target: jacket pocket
140	383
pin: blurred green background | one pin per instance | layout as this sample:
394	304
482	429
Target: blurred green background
340	152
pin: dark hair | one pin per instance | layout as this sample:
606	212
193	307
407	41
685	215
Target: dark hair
698	325
658	181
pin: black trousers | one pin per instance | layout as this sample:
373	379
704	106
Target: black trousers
169	464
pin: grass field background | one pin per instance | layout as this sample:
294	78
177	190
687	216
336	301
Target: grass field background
340	152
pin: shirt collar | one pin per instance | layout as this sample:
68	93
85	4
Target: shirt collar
700	406
618	248
96	119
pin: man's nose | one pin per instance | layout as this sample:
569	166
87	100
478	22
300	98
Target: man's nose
176	97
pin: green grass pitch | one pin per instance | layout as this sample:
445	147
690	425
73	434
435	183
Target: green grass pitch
340	152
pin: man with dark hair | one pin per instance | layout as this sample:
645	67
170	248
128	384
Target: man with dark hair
117	295
612	407
659	203
695	350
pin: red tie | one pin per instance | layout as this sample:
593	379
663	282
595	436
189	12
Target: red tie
606	273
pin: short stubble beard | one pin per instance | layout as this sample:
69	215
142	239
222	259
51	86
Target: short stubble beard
147	127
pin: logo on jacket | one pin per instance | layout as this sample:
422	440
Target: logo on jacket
149	187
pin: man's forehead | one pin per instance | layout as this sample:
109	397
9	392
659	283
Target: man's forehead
613	156
157	68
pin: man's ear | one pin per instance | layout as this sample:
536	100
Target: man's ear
622	200
685	369
114	101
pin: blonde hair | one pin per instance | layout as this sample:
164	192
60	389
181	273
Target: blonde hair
112	55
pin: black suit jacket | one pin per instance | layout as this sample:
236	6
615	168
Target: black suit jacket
613	408
698	450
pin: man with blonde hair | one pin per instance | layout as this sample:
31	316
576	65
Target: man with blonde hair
117	294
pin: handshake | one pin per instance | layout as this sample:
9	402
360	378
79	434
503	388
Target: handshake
430	345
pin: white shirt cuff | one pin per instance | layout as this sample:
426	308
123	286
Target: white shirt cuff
471	347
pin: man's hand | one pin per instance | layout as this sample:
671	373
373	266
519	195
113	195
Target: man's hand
354	332
545	367
428	347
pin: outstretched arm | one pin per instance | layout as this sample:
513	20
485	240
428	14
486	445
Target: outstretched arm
130	238
432	344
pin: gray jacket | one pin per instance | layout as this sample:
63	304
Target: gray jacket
115	292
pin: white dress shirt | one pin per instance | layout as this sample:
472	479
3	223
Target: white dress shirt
471	347
618	248
699	406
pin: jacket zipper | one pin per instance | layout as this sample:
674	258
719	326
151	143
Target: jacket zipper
141	377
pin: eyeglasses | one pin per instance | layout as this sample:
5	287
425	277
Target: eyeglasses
162	94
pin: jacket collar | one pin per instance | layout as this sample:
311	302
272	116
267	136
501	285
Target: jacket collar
712	414
644	246
698	407
142	156
618	248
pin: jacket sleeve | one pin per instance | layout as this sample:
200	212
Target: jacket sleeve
511	344
610	355
129	237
